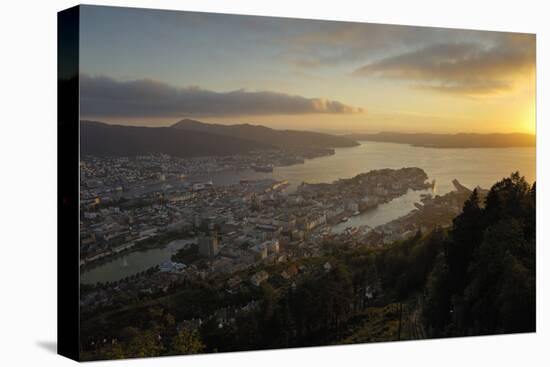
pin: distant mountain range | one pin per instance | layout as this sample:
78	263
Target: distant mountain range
264	135
103	139
189	138
451	140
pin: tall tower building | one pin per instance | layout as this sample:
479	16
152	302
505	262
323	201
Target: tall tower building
209	245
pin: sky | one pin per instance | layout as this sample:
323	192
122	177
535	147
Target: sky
155	67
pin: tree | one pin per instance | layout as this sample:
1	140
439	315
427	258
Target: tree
186	342
487	283
501	295
465	238
437	308
115	351
145	344
510	197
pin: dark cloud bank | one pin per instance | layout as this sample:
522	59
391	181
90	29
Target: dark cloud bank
104	96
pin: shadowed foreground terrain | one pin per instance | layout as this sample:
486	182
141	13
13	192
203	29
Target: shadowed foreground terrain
476	277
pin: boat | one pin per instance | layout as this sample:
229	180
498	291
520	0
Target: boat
345	219
356	213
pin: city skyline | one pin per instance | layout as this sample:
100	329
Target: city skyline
284	73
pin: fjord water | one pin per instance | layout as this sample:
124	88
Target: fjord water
132	263
471	166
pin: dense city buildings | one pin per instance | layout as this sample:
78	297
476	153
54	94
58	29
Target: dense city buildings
138	203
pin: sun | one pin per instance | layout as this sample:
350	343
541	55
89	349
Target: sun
529	119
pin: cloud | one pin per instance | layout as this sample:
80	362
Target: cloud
333	43
103	96
466	68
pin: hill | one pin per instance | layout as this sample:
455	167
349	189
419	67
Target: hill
264	135
451	140
103	139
